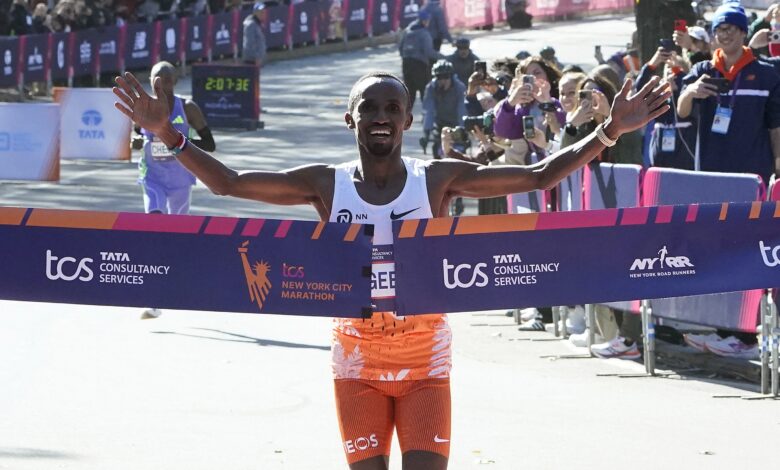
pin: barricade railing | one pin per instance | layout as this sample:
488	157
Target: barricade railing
89	52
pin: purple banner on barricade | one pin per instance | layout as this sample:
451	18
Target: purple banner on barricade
185	262
277	26
357	24
303	22
35	57
85	54
406	11
109	43
223	34
9	55
569	258
195	38
140	39
61	58
171	43
382	16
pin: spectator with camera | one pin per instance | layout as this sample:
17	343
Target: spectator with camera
416	48
673	139
443	104
21	19
737	99
695	42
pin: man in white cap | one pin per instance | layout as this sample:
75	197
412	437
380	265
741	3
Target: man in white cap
696	41
253	51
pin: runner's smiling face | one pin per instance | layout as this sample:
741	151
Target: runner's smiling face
380	117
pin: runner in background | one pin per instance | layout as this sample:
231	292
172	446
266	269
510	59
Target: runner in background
167	185
390	372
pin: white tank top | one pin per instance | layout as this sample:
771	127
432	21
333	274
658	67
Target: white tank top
349	207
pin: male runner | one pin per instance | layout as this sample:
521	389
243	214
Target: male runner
390	372
167	185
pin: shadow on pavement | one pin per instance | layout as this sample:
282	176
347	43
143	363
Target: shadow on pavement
29	453
237	338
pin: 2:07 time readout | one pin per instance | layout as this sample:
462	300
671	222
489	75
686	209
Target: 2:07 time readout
227	84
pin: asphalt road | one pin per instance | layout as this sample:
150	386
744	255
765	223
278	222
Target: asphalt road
94	387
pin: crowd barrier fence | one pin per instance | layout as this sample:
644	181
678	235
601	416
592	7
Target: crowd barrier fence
113	49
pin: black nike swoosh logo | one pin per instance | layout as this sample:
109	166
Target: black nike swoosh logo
394	216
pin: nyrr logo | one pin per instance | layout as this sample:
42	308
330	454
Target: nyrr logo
60	268
470	276
770	254
361	443
344	216
663	261
91	118
256	277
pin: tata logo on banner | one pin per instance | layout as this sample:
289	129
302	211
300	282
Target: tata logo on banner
67	268
91	118
463	276
770	254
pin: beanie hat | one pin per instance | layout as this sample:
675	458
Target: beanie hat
730	13
424	15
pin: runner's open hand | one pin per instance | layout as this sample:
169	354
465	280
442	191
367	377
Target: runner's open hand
635	111
146	111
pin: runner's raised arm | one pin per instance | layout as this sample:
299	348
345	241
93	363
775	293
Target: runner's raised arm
302	185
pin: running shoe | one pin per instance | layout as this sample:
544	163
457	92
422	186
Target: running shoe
532	325
616	348
581	339
698	342
732	347
151	313
528	314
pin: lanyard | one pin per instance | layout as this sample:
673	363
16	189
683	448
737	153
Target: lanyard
732	95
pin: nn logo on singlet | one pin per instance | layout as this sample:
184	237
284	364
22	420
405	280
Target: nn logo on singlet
256	276
345	216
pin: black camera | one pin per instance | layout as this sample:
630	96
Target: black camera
483	122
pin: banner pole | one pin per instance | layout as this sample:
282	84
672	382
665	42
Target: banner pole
775	344
765	335
590	312
556	314
648	331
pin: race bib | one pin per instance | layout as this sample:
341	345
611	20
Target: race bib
160	151
668	140
720	124
383	278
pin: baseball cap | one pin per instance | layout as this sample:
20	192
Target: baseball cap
424	15
697	32
258	6
462	43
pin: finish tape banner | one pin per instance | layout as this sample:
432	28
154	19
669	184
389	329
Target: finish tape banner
568	258
185	262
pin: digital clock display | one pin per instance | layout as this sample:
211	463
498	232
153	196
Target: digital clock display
227	84
228	95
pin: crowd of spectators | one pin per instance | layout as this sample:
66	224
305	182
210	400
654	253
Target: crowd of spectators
19	17
724	117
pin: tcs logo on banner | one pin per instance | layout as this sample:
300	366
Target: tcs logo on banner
292	271
770	254
464	275
361	443
67	268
